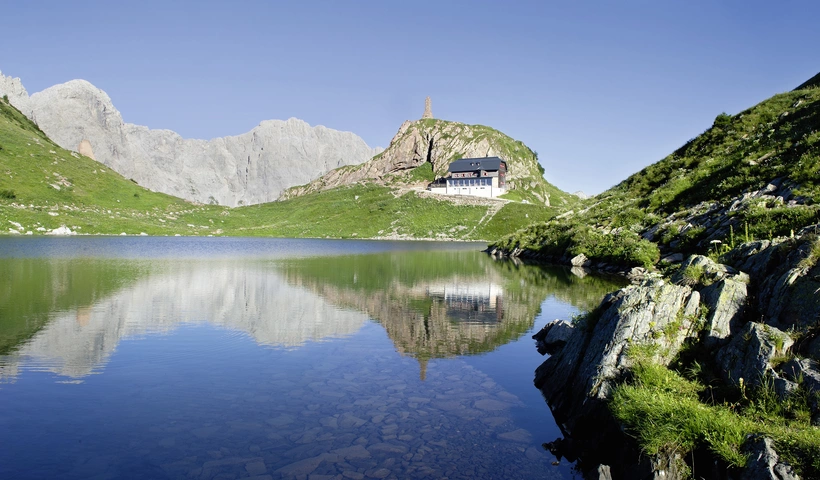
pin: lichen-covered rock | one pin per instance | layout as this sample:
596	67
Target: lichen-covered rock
785	285
764	464
708	272
726	301
749	353
583	372
803	371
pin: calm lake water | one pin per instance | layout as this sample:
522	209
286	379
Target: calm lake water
228	358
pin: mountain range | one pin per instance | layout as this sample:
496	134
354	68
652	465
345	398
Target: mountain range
251	168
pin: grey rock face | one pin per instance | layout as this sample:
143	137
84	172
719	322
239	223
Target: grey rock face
723	292
786	288
726	301
595	356
18	96
553	336
749	354
764	464
805	371
251	168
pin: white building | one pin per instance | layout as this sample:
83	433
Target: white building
480	177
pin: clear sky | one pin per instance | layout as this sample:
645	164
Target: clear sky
599	89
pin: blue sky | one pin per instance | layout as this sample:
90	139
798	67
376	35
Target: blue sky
599	89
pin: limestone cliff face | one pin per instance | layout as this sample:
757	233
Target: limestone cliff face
439	143
18	96
251	168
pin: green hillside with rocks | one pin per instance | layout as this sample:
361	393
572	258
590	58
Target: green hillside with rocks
422	150
708	366
45	189
749	176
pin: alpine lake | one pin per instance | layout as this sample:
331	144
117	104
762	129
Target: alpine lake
224	358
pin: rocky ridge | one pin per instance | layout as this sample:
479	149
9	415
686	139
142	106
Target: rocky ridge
250	168
436	143
745	333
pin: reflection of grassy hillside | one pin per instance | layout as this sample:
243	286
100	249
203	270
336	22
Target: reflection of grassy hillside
583	293
402	291
374	272
31	289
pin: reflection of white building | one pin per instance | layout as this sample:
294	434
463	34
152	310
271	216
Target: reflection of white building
470	302
245	298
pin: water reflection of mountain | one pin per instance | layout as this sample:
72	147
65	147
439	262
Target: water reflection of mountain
32	288
68	316
78	333
437	304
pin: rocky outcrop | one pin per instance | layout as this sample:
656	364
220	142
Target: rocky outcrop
785	283
85	149
15	91
764	463
747	358
705	308
656	318
577	379
553	336
251	168
439	143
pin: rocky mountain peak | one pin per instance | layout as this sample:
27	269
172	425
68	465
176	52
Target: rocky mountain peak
439	143
254	167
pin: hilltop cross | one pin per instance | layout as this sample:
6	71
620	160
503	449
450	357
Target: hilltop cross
428	109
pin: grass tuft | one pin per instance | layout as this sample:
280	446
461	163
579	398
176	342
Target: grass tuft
665	412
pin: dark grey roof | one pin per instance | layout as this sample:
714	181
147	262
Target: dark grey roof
473	164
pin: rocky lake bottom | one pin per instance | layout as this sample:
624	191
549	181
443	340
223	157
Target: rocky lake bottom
295	368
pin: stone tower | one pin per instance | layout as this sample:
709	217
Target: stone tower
428	109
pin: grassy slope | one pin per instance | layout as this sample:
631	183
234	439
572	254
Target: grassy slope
45	186
372	211
776	139
680	411
93	199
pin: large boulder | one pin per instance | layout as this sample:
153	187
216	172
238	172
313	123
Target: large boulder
553	336
582	374
723	293
698	270
749	354
804	371
764	463
783	282
725	301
